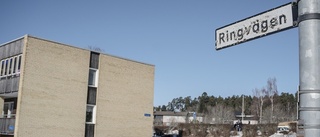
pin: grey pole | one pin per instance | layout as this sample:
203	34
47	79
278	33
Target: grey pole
309	57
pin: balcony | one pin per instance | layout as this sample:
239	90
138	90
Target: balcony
9	85
7	126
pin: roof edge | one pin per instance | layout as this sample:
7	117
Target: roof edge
28	35
16	39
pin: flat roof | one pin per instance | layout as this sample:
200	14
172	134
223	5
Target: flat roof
27	35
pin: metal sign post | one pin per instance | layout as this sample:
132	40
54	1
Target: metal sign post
279	19
309	57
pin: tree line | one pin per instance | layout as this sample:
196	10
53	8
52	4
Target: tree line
266	104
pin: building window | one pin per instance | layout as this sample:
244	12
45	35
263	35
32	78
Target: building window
94	60
92	94
89	130
8	109
2	68
19	63
14	66
10	66
91	97
91	114
93	77
6	67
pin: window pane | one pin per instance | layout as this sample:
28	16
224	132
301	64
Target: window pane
6	68
92	77
15	65
8	106
91	97
2	66
10	66
89	130
94	60
19	63
89	116
5	108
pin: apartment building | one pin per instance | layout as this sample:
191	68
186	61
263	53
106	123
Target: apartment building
49	89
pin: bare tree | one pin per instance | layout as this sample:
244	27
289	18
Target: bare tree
280	114
94	48
259	94
220	113
270	92
267	114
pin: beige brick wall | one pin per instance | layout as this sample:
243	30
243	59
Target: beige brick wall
125	94
53	90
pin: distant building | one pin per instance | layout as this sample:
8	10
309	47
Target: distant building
49	89
247	119
167	118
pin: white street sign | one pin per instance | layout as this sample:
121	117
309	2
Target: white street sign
272	21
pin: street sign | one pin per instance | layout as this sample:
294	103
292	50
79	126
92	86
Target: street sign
147	115
265	23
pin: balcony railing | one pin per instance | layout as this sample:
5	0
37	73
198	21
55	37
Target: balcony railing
9	85
7	126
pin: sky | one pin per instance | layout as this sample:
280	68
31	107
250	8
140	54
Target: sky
177	36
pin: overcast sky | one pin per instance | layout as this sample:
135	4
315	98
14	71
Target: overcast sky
177	36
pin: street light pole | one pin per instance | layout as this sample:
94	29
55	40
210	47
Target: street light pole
242	113
309	65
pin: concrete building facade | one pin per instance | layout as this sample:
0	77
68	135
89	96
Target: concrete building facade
56	90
